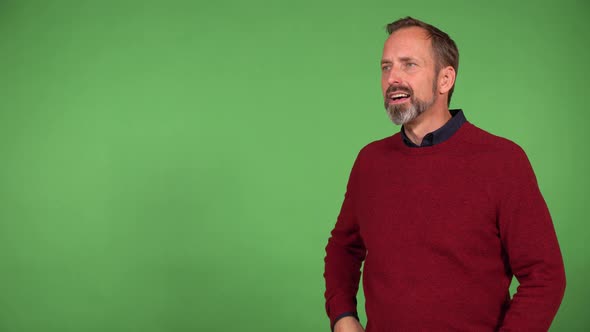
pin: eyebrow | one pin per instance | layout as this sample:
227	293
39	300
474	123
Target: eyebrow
402	59
407	59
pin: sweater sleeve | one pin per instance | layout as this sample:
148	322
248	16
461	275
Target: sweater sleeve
345	253
530	242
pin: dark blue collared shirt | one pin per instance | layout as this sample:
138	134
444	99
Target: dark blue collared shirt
441	134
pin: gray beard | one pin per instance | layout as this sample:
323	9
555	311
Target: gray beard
401	114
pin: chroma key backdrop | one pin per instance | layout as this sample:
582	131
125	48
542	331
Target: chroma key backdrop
178	165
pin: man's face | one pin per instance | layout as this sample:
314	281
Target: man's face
408	78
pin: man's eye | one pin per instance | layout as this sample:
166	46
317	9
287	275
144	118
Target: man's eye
385	68
410	64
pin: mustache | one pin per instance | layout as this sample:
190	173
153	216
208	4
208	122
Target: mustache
399	87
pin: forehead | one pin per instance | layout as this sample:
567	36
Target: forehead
408	42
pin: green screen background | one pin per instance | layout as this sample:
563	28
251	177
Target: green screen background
178	166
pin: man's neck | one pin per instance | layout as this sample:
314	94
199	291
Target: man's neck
427	122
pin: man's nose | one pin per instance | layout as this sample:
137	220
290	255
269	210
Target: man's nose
394	76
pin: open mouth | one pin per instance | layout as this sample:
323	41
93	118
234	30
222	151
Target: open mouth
397	98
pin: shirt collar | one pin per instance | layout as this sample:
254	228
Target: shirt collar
441	134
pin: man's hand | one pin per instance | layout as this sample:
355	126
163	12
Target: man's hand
348	324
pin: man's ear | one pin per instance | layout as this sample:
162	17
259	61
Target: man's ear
446	79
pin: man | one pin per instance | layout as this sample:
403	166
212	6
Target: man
442	214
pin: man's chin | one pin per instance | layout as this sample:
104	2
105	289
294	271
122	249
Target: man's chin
398	108
401	115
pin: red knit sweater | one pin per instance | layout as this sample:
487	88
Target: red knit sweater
441	231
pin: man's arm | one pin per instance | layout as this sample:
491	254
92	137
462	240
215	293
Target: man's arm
345	253
528	236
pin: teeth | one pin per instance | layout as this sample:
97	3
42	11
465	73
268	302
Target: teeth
399	95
